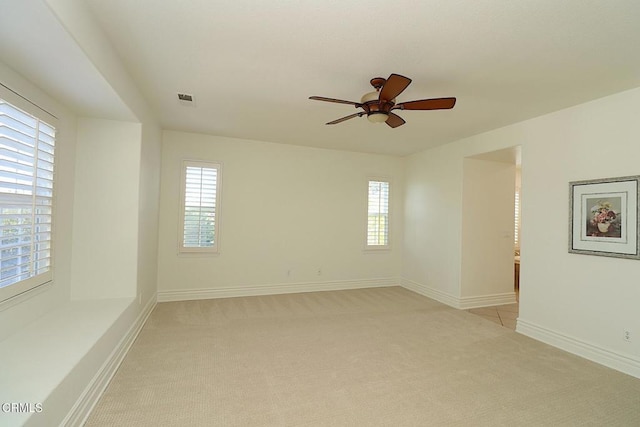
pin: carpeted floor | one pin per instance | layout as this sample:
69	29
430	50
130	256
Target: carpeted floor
370	357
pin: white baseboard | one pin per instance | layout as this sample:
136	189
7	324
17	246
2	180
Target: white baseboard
435	294
466	303
589	351
282	288
463	303
90	396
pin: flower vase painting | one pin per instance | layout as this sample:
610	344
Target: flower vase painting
603	217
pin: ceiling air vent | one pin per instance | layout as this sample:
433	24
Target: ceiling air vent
186	100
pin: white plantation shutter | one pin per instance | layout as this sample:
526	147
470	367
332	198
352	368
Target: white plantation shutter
378	214
201	195
517	221
26	198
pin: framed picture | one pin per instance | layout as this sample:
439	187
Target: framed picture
603	217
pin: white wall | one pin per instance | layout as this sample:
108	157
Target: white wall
587	298
286	211
79	22
81	25
433	215
580	303
105	229
148	214
487	232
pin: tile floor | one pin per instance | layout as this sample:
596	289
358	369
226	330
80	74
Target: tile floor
504	315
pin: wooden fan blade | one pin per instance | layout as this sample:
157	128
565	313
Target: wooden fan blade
351	116
339	101
395	120
393	87
427	104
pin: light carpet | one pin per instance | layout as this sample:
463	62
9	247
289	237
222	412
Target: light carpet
367	357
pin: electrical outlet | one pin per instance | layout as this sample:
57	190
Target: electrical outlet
319	271
626	335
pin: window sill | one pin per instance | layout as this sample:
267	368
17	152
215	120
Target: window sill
376	249
197	254
48	355
21	297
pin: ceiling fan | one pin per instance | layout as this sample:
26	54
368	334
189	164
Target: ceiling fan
378	105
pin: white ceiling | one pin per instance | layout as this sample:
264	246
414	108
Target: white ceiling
252	65
36	45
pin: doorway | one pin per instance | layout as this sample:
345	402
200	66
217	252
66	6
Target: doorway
491	235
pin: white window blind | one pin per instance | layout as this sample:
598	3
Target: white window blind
26	198
200	207
516	232
378	214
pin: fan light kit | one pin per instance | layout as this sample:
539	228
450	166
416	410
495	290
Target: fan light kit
378	105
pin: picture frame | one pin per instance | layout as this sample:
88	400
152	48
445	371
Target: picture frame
603	217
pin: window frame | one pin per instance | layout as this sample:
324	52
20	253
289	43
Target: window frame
16	291
387	246
215	248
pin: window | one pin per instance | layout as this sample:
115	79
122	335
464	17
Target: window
26	200
378	215
517	222
200	207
